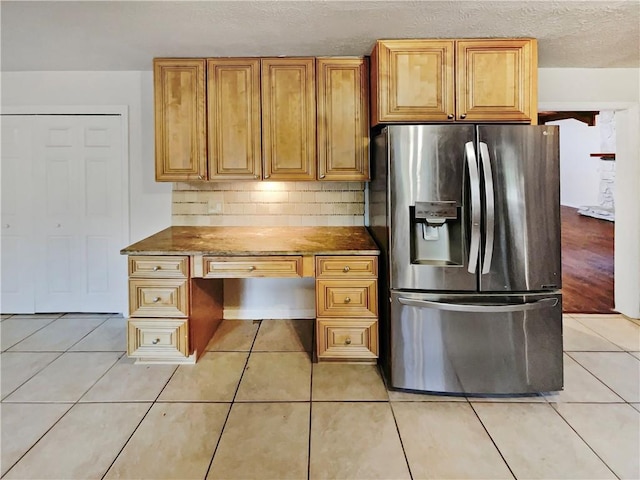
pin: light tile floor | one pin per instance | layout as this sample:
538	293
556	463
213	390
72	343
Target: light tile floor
255	406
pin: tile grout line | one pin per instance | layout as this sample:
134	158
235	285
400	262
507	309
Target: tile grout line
39	438
584	441
233	399
601	335
128	439
51	323
313	343
89	333
404	452
493	441
73	404
6	350
393	413
61	353
596	377
153	402
36	373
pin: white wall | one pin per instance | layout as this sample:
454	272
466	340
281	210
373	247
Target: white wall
258	298
149	201
610	89
579	175
579	85
559	89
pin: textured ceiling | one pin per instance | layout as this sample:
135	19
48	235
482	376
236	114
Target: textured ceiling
117	35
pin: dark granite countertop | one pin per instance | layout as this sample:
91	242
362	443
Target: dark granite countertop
225	241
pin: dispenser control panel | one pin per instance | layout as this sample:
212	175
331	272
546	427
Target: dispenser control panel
436	210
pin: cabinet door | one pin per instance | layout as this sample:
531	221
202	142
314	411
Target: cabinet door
288	118
179	89
412	81
497	80
343	119
233	113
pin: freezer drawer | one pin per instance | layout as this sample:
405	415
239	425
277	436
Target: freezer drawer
476	344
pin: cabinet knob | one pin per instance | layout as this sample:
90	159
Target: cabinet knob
267	176
322	176
346	269
252	268
450	116
464	115
156	341
256	177
156	299
156	268
348	341
200	177
347	300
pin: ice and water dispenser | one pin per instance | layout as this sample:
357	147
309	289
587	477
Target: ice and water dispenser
436	237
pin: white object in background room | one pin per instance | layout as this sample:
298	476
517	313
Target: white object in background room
605	209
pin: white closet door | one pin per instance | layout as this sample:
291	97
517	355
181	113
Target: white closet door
78	214
18	256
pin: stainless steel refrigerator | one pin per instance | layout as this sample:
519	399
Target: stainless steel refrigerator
468	221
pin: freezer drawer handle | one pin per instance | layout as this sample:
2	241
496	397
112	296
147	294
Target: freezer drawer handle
463	307
474	183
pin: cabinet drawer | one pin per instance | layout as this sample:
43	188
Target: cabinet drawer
346	267
241	267
345	339
158	298
158	338
158	267
346	298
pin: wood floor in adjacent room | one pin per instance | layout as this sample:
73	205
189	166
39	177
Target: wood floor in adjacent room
587	263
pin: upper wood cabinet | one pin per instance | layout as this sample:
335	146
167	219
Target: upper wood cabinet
289	118
263	116
343	118
233	114
412	81
492	80
179	89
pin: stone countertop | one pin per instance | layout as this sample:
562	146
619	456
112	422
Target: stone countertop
225	241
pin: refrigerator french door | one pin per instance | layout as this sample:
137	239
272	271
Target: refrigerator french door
473	256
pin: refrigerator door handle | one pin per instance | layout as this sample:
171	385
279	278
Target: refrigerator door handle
464	307
489	205
474	183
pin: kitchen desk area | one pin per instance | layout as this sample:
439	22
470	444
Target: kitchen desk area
176	286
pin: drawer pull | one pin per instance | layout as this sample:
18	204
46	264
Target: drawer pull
347	300
346	269
156	268
157	341
156	299
348	341
252	268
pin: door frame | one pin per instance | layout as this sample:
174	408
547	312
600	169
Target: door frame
123	112
627	232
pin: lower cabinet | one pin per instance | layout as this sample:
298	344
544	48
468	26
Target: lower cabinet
347	308
166	338
347	339
173	312
158	325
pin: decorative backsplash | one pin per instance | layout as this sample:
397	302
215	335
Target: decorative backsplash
268	204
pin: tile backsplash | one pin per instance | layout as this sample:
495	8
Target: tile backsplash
268	203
